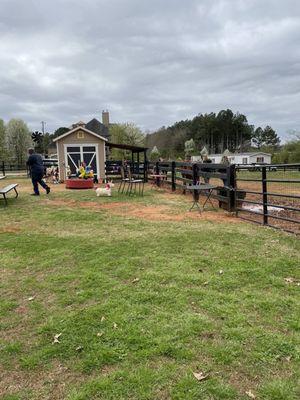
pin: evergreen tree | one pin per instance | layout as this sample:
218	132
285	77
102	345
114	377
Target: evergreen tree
270	137
154	154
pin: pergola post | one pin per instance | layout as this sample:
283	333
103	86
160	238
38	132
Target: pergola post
138	163
132	161
145	167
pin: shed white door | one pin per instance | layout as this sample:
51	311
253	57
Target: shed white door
78	153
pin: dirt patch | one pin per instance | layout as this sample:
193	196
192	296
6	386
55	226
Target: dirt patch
46	384
150	213
21	310
10	229
51	383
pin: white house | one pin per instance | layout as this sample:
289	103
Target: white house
239	158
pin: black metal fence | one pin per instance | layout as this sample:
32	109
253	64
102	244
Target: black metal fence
269	195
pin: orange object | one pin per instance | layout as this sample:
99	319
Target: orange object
80	183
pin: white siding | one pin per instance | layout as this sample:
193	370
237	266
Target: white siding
266	158
238	158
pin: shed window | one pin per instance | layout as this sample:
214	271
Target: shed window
80	135
245	160
73	149
260	159
89	149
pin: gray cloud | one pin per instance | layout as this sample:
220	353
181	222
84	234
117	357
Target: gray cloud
152	63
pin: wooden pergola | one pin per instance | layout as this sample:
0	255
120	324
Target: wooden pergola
135	151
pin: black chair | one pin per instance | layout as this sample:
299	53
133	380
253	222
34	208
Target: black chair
133	181
124	180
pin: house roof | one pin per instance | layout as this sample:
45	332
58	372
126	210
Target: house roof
97	127
82	129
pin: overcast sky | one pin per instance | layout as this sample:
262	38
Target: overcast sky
151	62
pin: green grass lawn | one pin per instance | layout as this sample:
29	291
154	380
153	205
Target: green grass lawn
279	174
141	304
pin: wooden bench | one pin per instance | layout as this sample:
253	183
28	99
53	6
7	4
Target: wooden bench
7	189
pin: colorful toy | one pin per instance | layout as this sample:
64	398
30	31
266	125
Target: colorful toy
85	172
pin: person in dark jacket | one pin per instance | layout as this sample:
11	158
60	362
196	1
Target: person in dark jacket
35	163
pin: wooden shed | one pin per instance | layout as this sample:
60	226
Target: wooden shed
81	144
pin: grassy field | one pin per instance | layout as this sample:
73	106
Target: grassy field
117	298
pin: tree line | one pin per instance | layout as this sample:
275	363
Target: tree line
288	153
215	131
15	139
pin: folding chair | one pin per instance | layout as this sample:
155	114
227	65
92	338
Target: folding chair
133	181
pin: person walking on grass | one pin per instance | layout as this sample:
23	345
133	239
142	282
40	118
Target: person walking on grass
35	164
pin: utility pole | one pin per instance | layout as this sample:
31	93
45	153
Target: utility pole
43	126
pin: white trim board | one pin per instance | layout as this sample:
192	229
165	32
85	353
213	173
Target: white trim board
77	129
81	145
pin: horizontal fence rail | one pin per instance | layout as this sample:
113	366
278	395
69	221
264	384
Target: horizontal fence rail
263	194
11	168
113	169
270	195
180	174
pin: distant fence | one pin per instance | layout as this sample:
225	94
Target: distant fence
50	162
14	168
113	169
11	168
269	195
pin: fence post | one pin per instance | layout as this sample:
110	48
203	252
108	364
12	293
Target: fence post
195	174
195	180
146	171
173	165
231	183
157	173
265	194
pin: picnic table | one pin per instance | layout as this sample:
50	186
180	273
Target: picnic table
206	189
